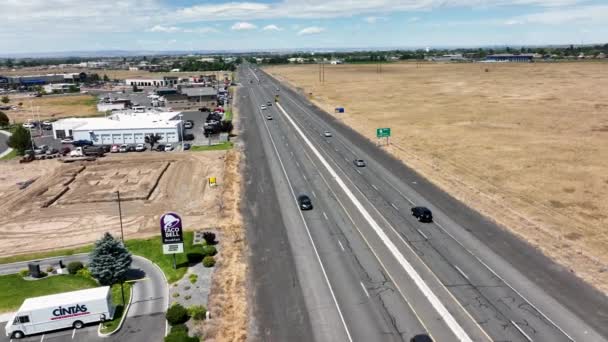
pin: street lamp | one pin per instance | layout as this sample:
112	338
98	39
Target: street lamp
181	129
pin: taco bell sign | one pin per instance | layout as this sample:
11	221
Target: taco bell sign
171	233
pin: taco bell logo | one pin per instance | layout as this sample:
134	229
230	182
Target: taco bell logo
171	228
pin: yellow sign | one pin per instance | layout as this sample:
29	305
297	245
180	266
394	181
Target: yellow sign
212	181
276	98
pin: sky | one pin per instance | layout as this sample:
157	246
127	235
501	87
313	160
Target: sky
34	26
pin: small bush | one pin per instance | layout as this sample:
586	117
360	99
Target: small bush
186	288
50	269
187	297
84	272
180	336
43	274
209	261
197	312
209	238
24	273
179	328
193	278
195	258
74	267
209	250
175	295
177	314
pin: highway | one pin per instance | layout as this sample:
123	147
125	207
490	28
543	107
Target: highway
145	320
365	269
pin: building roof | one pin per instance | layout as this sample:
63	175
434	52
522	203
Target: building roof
202	91
124	120
43	302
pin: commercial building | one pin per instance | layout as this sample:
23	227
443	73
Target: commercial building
508	57
449	58
192	98
57	88
113	104
152	82
121	128
40	80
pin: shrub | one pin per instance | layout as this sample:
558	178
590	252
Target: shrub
209	261
74	267
180	336
195	258
175	295
187	297
209	238
197	312
50	269
84	272
24	273
193	278
179	328
209	250
177	314
186	288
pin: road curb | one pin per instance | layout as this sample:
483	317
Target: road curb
122	321
8	150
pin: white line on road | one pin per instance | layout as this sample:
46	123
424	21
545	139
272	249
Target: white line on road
421	233
461	272
375	187
313	193
298	164
364	289
449	320
73	333
306	179
358	171
394	206
325	215
42	338
341	247
291	153
521	331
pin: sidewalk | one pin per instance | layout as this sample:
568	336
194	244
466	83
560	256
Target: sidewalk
4	317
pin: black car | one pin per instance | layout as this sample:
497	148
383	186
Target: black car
188	137
187	146
80	143
423	214
131	148
160	148
304	202
421	338
269	104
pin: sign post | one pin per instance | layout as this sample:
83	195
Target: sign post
172	236
383	133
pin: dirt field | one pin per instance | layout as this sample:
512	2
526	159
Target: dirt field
524	144
52	107
73	204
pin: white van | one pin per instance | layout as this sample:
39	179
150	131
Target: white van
63	310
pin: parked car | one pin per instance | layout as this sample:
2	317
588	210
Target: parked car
41	149
187	146
304	202
80	143
359	162
188	124
188	137
51	151
123	148
327	134
106	148
160	148
114	149
67	140
28	125
65	151
131	148
423	214
168	148
140	147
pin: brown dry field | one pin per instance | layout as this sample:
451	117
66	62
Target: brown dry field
524	144
74	204
52	107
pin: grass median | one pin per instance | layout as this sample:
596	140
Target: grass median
110	326
9	156
14	289
219	147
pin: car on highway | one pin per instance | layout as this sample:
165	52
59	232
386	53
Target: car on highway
421	338
327	134
423	214
140	148
304	202
114	149
262	107
123	148
359	162
82	142
67	140
168	148
268	117
269	104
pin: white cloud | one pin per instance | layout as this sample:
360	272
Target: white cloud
271	27
311	30
164	29
587	14
374	19
243	26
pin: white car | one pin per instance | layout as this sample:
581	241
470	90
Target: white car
168	148
28	125
262	107
327	134
123	148
67	140
140	148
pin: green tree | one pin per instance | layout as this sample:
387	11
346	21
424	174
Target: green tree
106	78
5	99
4	120
9	63
20	140
110	261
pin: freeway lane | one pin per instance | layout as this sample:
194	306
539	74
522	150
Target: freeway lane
485	294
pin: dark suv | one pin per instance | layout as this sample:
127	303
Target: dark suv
423	214
304	202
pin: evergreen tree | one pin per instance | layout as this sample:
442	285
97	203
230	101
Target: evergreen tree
4	121
110	261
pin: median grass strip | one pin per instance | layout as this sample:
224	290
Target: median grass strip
9	156
219	147
110	326
228	115
14	289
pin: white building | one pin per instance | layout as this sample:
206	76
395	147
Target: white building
121	128
152	82
57	87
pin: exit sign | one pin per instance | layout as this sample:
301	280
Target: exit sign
383	132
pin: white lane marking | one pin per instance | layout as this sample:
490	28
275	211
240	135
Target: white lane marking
341	247
503	280
358	171
314	247
325	215
522	331
42	338
298	164
313	193
73	333
394	206
412	273
256	76
461	272
305	177
291	153
421	233
375	187
364	289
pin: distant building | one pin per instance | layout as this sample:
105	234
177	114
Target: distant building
207	59
55	88
40	80
152	82
336	62
449	58
192	98
508	57
113	104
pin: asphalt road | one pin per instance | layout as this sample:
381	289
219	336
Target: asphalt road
145	320
387	276
3	142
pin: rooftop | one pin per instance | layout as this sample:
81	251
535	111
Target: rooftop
202	91
124	120
64	298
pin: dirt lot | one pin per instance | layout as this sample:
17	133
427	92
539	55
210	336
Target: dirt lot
524	144
52	107
73	204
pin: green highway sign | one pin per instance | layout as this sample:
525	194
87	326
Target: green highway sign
383	132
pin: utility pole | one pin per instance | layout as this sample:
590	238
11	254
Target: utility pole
122	234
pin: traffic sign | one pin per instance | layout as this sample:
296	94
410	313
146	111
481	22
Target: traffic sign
383	132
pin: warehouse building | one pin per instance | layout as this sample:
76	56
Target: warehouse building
166	81
508	57
40	80
121	128
192	98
